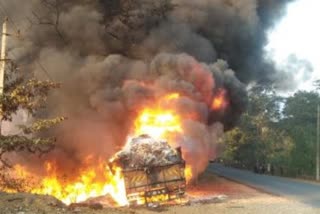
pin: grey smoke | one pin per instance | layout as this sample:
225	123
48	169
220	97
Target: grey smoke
295	71
102	51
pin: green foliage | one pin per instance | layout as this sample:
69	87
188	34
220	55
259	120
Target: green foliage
41	125
29	95
275	130
15	143
300	122
317	84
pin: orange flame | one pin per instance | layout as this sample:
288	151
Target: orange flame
188	172
157	121
172	96
87	185
219	102
92	182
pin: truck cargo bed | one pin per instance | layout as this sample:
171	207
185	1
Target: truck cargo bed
155	184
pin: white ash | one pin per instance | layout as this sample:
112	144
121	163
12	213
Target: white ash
145	151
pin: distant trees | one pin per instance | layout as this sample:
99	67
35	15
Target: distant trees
300	118
275	130
317	84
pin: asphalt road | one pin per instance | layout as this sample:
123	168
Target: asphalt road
303	191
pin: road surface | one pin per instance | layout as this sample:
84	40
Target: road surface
303	191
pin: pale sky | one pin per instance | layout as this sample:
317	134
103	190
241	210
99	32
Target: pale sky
298	33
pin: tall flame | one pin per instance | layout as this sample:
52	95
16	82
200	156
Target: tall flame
97	179
87	185
157	121
93	182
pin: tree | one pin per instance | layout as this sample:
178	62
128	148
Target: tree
28	95
127	23
317	84
52	9
258	137
281	131
300	122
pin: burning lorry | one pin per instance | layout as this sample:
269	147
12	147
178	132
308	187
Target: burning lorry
153	171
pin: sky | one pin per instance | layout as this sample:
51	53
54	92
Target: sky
297	36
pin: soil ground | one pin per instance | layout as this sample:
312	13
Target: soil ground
212	194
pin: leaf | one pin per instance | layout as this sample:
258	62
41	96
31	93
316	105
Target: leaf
41	125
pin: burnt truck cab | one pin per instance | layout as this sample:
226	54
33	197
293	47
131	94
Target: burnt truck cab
155	185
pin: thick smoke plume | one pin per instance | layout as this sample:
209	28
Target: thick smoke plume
114	56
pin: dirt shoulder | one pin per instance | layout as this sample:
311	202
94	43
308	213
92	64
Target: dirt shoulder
212	194
240	199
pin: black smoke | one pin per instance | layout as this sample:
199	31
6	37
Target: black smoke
102	51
